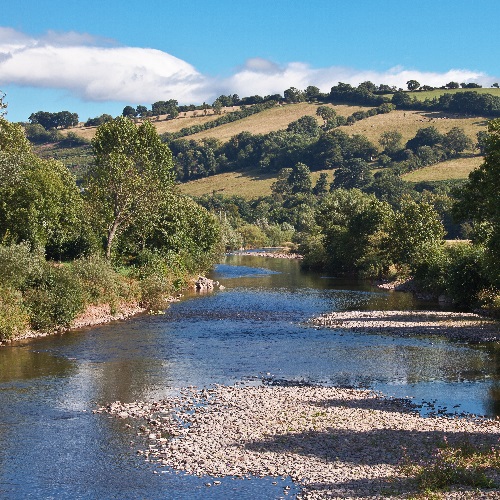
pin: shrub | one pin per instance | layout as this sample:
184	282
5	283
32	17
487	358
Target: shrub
55	299
101	284
13	316
19	265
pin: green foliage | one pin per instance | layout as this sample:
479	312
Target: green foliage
100	283
352	224
13	315
19	265
54	299
130	178
39	200
478	199
459	465
414	231
61	119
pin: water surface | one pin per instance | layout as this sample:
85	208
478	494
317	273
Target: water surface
53	446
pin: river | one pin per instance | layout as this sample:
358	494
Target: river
253	331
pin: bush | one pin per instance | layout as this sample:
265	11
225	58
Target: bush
19	265
13	315
101	284
55	299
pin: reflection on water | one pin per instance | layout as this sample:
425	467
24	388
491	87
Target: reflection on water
253	329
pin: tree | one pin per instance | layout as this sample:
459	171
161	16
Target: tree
414	231
412	85
354	173
39	200
455	141
300	179
141	111
320	189
129	111
495	85
294	95
478	199
131	175
427	136
390	140
312	93
329	116
452	85
3	104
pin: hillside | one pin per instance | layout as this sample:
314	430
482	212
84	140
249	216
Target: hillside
422	95
249	184
252	183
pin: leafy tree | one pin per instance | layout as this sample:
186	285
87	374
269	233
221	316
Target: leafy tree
412	85
390	140
427	136
62	119
495	85
312	93
478	199
354	173
352	224
131	175
129	111
452	85
300	179
294	95
39	200
281	186
305	125
3	104
415	229
455	141
141	111
329	116
320	189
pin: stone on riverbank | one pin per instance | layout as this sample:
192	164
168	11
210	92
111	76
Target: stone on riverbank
336	443
466	327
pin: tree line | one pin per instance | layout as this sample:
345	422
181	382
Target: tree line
126	234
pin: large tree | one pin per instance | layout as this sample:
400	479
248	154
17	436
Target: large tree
131	175
479	199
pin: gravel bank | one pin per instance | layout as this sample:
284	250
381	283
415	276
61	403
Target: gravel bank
272	255
335	443
466	327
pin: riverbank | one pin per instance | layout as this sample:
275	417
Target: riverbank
333	442
272	255
100	314
467	327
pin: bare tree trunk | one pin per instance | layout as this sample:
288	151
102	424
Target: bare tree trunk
111	236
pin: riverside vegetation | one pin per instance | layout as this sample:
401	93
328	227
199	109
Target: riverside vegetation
125	237
361	216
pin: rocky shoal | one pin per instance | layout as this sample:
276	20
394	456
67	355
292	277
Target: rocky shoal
272	255
333	442
467	327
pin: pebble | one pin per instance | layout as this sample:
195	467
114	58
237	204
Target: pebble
332	442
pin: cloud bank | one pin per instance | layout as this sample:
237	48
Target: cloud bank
98	70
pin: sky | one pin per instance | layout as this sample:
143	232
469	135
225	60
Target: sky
93	57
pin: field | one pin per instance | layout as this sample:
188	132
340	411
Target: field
407	123
249	184
253	184
271	119
422	95
459	168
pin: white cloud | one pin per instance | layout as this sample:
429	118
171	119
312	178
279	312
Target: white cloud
96	69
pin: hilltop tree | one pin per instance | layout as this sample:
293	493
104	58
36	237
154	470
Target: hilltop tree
131	175
294	95
412	85
129	111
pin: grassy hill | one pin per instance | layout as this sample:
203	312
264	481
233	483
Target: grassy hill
422	95
249	184
252	183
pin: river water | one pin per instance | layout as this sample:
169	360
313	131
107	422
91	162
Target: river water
254	331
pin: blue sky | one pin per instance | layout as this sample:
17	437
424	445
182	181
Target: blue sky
94	57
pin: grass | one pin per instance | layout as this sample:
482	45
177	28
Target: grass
270	120
248	184
407	124
461	464
459	168
430	94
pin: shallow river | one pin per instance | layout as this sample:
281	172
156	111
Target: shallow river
253	331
